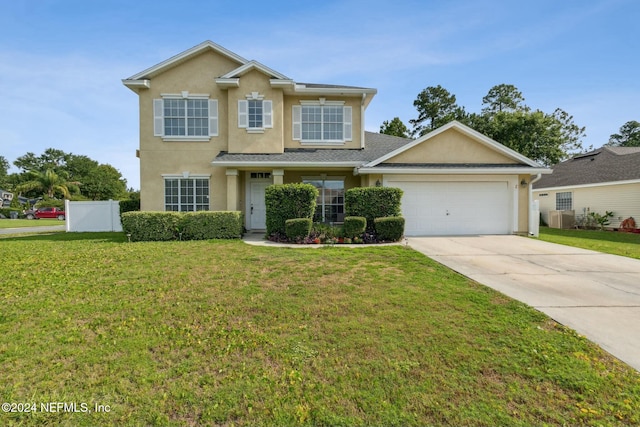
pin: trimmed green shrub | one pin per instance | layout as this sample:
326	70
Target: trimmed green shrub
288	201
389	229
372	203
205	225
151	226
354	226
162	226
298	228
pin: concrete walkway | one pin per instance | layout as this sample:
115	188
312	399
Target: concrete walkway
596	294
45	228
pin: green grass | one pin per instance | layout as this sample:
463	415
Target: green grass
223	333
19	223
611	242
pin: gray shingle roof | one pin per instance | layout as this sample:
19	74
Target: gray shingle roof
606	164
376	145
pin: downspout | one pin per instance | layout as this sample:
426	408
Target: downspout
364	96
534	223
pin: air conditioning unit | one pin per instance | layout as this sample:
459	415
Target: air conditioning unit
562	219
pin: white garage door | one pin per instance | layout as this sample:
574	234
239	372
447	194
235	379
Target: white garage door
454	208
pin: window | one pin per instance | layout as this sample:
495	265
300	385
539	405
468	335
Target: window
330	203
323	122
564	201
192	118
186	194
255	114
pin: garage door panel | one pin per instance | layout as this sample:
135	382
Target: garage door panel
454	208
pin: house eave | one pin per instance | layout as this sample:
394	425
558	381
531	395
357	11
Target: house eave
183	56
226	83
591	185
282	164
452	171
136	85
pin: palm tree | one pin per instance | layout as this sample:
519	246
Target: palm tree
48	182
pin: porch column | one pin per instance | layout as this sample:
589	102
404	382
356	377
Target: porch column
278	176
232	189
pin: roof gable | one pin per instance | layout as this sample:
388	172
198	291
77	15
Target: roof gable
184	56
454	143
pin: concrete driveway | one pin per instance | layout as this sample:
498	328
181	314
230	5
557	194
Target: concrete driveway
595	294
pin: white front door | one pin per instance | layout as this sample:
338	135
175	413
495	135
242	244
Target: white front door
257	209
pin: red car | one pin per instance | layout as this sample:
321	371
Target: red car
55	213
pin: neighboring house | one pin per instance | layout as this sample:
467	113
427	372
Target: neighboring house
217	129
606	179
5	198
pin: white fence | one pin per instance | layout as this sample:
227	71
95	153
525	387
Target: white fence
93	216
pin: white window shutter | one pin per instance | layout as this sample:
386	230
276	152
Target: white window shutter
213	117
267	116
347	124
297	122
158	117
243	116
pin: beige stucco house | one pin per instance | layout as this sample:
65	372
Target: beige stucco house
605	179
217	129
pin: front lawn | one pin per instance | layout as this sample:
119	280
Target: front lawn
223	333
20	223
611	242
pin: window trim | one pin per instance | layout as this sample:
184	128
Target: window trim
159	119
560	200
325	178
190	177
297	122
243	113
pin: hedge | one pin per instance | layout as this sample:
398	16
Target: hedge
389	229
298	229
163	226
372	203
354	226
205	225
288	201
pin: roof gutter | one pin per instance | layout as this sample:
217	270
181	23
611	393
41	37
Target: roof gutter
534	211
364	97
460	171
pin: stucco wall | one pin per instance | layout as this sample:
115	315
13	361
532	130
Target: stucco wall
451	147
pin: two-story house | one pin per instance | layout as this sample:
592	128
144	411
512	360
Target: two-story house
217	129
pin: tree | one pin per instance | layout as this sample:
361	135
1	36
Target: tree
52	158
104	183
394	127
436	107
545	138
47	182
4	169
503	97
628	136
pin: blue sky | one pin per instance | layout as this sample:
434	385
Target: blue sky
62	61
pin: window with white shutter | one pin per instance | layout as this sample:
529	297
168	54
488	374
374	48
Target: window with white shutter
255	114
323	122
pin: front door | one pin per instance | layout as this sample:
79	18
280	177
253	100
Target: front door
258	209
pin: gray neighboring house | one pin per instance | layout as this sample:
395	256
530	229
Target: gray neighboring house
606	179
5	198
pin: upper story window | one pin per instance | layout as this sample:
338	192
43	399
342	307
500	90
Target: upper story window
255	113
185	117
323	122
